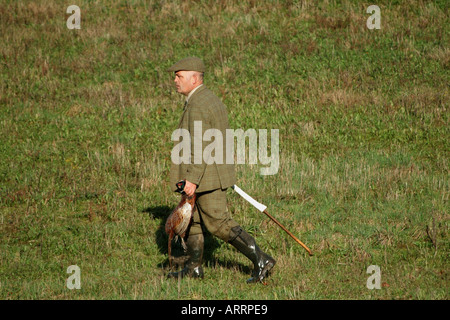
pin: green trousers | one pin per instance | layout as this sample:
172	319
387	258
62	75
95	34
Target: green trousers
211	212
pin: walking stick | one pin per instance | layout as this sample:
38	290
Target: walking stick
263	208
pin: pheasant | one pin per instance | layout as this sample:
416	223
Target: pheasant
178	221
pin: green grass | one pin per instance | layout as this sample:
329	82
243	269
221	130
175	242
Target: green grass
86	118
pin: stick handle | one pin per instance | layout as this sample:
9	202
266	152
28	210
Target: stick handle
253	202
263	208
288	232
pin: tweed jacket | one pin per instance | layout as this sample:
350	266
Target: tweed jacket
206	107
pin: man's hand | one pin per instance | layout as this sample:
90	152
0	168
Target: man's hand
190	188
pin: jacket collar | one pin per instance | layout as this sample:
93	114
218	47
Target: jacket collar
193	92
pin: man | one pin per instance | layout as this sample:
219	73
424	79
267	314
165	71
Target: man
209	181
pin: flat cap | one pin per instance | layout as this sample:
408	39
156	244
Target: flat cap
188	64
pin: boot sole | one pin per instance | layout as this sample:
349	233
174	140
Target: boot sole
264	272
186	273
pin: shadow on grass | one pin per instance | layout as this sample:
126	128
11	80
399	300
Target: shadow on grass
211	244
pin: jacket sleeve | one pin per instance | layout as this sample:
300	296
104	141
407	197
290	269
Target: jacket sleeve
200	120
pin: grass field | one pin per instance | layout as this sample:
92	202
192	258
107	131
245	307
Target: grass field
86	118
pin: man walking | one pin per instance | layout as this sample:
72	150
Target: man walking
209	181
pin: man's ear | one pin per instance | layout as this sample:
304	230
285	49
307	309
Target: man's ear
194	78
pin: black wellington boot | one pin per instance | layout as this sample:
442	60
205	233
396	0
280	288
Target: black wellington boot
193	267
246	244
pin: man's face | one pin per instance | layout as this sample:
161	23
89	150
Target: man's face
184	82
